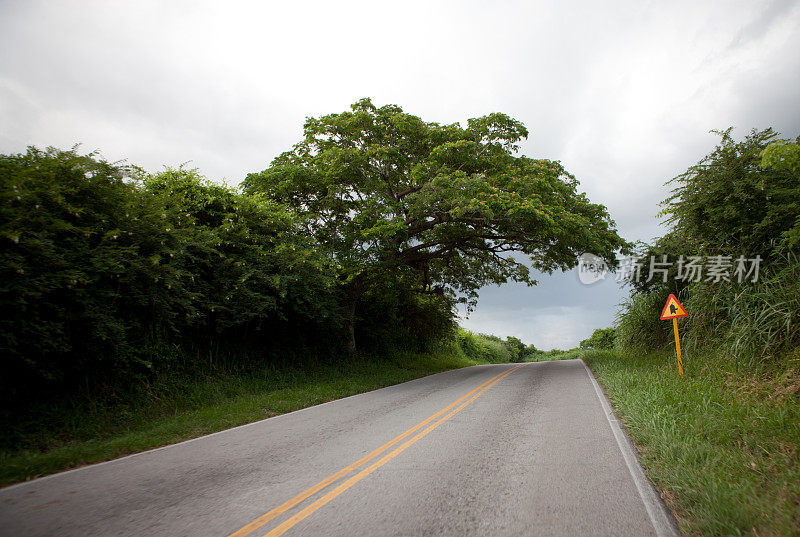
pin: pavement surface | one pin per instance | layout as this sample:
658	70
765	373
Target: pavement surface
511	449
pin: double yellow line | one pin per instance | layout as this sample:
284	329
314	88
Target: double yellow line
449	411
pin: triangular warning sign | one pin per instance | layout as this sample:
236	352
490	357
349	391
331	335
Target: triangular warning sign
673	309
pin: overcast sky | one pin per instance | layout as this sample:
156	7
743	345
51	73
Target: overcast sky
623	93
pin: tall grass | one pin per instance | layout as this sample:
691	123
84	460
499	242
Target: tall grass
765	320
638	327
721	443
709	308
751	321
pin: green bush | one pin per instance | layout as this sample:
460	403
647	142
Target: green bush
79	287
255	277
392	316
106	271
741	199
483	348
638	327
729	204
516	348
602	338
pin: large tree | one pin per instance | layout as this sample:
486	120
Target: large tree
442	206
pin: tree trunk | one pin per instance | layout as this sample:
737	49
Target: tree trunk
350	323
354	290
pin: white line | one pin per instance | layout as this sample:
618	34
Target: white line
659	517
168	446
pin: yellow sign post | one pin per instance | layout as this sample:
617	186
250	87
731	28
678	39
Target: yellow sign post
673	309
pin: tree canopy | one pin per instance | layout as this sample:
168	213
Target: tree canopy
104	267
602	338
742	198
443	206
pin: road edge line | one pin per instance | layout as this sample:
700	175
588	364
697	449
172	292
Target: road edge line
662	520
215	433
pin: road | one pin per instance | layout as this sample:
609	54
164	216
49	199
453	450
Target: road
511	449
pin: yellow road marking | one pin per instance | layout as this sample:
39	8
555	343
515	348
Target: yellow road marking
270	515
288	524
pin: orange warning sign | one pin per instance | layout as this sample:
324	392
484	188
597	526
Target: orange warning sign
673	309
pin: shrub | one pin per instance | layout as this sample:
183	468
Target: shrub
741	199
483	348
106	271
602	338
638	327
77	276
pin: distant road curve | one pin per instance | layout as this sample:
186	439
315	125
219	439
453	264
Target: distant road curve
511	449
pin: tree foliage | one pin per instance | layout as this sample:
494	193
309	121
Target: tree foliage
782	154
102	263
111	274
602	338
729	203
383	191
741	199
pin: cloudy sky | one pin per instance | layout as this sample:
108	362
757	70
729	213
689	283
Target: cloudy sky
623	93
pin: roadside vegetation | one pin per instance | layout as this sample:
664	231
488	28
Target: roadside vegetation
723	442
140	308
186	404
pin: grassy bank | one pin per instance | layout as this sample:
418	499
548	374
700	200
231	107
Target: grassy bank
722	444
555	354
184	406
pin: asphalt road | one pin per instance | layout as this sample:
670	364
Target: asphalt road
529	449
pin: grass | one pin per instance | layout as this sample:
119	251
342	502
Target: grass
555	354
182	407
722	444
